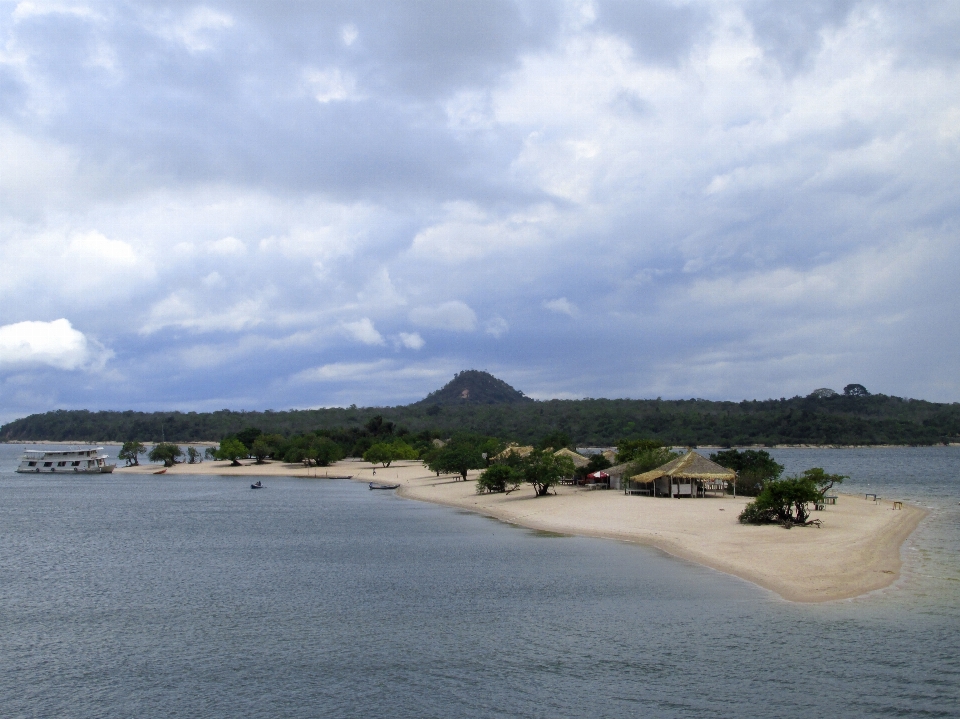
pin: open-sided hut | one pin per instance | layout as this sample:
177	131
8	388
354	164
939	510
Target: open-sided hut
691	475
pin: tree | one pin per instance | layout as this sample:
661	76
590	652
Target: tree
823	393
753	468
232	449
629	449
783	501
822	481
651	459
497	478
545	469
855	390
165	452
260	449
381	453
459	455
193	455
131	452
248	436
324	451
555	440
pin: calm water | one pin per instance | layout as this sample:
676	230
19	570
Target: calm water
196	597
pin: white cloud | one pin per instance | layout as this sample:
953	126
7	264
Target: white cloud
561	305
454	316
349	34
227	247
496	326
330	84
55	344
411	340
363	331
182	309
197	29
95	249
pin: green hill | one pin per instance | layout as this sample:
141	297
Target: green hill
474	387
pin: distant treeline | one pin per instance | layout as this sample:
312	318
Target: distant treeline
832	420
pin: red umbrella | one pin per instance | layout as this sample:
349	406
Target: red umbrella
598	475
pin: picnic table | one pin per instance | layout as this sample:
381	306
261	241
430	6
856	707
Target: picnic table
869	495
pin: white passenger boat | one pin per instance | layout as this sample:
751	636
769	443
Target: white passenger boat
80	461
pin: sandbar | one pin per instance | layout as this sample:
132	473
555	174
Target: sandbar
856	551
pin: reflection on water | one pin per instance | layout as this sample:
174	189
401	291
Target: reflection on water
195	596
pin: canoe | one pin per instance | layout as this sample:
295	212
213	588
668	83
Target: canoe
377	485
256	486
162	471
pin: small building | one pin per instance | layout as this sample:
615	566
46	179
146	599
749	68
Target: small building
617	473
691	475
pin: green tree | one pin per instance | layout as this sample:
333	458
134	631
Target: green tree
783	501
165	452
324	451
232	449
260	449
651	458
380	453
629	450
543	470
753	467
248	436
131	452
497	478
822	481
856	390
193	455
555	440
459	455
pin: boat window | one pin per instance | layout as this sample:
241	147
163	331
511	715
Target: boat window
75	464
31	464
48	464
61	464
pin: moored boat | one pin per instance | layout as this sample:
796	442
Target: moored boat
78	461
377	485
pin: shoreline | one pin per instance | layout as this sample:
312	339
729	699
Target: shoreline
857	551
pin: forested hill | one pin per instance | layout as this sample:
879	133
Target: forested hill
836	420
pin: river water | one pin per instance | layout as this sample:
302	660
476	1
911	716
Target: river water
190	596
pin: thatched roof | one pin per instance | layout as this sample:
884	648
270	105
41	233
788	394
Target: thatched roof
514	449
578	459
618	470
689	466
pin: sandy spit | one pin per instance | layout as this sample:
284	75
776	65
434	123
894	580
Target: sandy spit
856	551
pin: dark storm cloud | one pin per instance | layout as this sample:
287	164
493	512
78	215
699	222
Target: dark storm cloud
659	31
791	31
238	102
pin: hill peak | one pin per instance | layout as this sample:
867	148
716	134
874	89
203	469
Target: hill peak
475	387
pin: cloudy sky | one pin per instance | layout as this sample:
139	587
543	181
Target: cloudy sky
272	205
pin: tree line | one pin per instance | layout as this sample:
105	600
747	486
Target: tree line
838	419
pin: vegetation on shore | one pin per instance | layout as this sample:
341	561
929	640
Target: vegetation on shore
824	417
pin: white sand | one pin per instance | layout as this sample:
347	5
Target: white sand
856	551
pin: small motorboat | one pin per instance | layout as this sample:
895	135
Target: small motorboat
258	485
377	485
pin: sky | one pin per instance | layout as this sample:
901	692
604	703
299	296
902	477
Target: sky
305	204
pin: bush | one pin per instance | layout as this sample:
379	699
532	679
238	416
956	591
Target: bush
497	478
232	449
781	500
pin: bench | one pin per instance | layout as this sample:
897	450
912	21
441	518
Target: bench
830	499
870	496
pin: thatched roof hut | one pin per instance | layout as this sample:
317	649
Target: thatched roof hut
578	459
514	449
681	476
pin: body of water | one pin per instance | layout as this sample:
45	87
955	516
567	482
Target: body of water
188	596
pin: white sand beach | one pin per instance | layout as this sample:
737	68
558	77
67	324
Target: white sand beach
857	550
